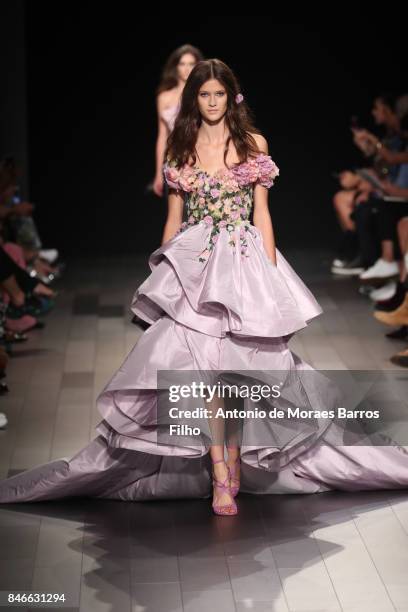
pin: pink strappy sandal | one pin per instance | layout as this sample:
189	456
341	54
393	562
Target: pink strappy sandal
233	471
229	509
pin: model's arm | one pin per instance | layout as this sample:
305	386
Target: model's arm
162	134
174	214
262	217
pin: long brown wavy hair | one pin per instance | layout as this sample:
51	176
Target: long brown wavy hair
169	76
238	118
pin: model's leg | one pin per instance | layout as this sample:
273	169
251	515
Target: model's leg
233	442
222	497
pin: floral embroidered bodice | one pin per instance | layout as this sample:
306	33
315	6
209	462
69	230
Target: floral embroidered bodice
222	200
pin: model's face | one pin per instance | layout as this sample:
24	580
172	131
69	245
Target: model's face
212	100
185	66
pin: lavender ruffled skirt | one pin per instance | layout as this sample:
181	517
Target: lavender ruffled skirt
226	314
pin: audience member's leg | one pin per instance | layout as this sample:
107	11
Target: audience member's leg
9	268
364	216
402	230
343	202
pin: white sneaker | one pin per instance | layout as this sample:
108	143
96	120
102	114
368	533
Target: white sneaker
49	254
381	269
347	268
3	420
383	293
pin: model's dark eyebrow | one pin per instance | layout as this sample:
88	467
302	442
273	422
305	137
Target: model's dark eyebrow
206	91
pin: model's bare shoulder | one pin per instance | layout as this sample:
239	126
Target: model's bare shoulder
167	98
261	142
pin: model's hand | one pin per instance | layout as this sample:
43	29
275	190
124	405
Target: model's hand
158	185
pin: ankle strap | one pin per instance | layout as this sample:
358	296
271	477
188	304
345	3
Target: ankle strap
218	461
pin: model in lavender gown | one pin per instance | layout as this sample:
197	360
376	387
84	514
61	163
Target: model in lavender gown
220	298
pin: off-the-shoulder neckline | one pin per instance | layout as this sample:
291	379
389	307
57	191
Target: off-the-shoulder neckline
234	166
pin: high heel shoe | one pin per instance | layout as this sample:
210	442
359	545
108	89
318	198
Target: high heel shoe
233	471
228	509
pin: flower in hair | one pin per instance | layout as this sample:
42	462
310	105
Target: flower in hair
238	98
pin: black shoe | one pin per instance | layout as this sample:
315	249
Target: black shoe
400	359
398	334
348	268
394	302
3	388
3	383
16	337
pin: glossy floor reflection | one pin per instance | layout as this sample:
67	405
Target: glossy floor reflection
329	551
